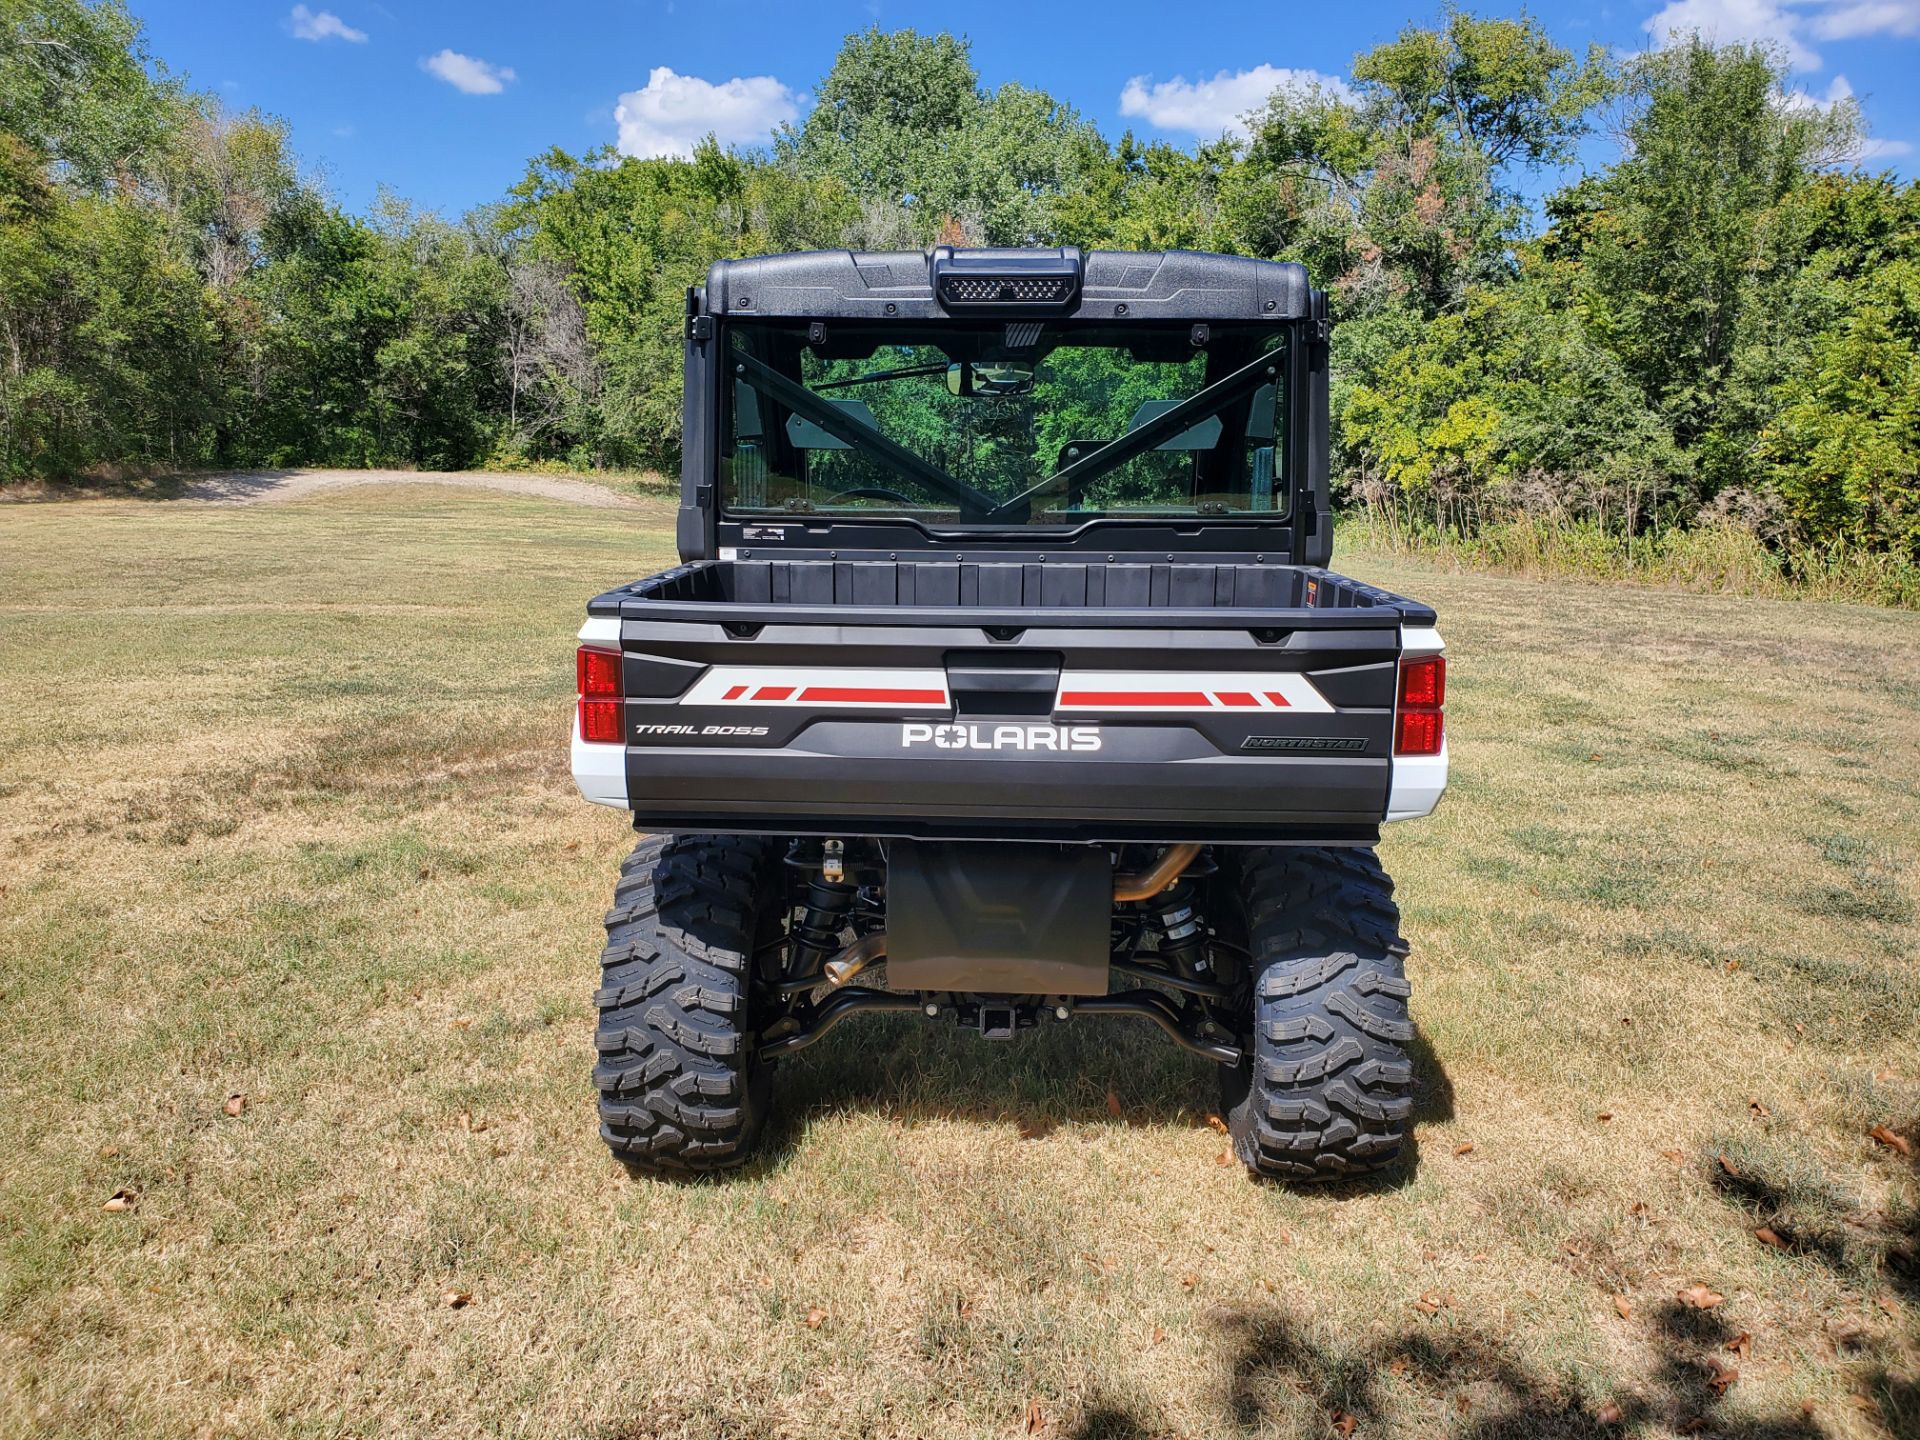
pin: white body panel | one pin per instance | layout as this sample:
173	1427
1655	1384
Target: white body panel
1418	780
599	770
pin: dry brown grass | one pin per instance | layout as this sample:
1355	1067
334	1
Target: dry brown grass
285	814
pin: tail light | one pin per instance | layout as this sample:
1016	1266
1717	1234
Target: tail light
1419	726
602	709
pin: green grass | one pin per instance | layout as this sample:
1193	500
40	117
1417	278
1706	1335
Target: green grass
285	814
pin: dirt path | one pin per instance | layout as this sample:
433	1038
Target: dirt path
253	487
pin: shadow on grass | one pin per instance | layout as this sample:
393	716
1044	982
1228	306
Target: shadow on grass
1789	1193
1274	1361
914	1069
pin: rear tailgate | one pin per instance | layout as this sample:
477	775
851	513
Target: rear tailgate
1072	725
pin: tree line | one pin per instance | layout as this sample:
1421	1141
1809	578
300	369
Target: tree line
1719	326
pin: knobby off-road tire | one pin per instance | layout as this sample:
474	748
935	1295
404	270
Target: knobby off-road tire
1329	1090
681	1089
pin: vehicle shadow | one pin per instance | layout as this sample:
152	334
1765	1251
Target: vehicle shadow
914	1069
1276	1362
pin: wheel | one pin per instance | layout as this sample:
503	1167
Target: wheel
1329	1088
681	1090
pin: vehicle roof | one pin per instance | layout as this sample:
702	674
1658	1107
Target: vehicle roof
1114	284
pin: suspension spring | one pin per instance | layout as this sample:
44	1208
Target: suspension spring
816	934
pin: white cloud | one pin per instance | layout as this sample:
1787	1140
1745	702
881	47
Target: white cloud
1871	150
324	25
672	113
1837	91
1848	19
468	75
1211	108
1723	22
1786	23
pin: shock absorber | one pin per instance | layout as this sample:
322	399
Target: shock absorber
816	934
1183	940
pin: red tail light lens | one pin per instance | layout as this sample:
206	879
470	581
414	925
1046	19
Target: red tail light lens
598	672
1417	732
1419	727
603	722
1423	683
602	712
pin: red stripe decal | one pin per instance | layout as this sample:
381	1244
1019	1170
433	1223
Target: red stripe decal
735	693
1116	699
773	692
1234	697
1276	699
848	695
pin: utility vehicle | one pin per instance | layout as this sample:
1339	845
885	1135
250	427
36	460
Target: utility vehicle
1002	682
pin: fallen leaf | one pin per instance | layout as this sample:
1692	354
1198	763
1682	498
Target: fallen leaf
1732	965
1478	1257
1343	1423
1604	1116
1678	1157
1189	1280
1036	1421
1892	1139
1432	1302
1609	1414
1158	1335
1720	1377
1036	1129
1465	1147
1639	1207
1223	1158
1883	1076
121	1200
1286	1236
463	1022
1798	1028
1728	1166
571	845
1113	1103
1888	1304
107	1152
1758	1111
1624	1306
236	1102
456	1299
1767	1235
1397	1366
815	1315
1699	1297
1741	1345
1216	1124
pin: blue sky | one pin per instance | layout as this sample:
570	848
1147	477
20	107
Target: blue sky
446	100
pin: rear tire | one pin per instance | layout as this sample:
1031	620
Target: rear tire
1328	1093
681	1089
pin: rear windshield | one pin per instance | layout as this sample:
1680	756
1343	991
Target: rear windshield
1003	423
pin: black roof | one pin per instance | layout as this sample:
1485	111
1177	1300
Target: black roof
1137	285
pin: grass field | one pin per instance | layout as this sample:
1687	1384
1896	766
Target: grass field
288	832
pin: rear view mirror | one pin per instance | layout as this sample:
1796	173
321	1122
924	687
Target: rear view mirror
993	380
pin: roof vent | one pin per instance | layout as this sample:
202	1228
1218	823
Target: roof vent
1007	281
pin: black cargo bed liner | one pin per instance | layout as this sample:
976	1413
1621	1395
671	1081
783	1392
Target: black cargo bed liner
986	592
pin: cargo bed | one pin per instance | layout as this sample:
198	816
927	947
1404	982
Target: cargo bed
1227	701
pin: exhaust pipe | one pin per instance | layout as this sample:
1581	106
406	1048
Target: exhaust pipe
1171	865
855	958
